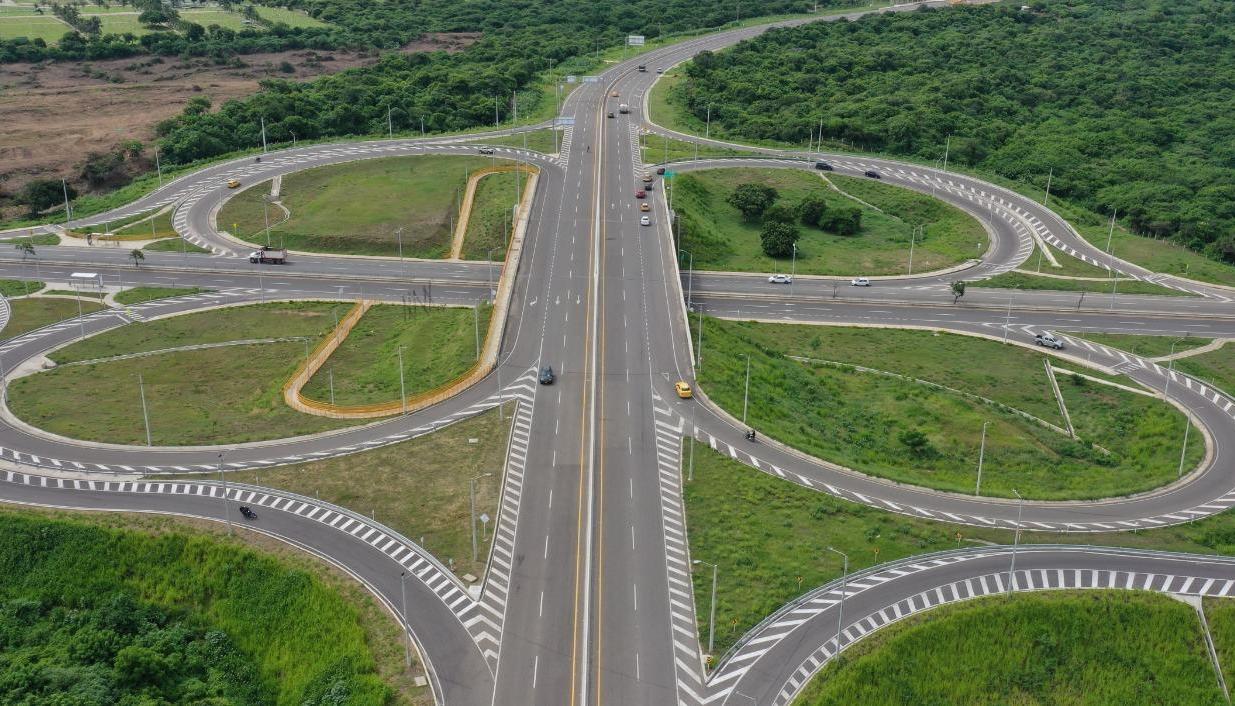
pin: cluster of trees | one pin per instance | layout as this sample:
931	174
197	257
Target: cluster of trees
447	91
1125	105
779	230
115	650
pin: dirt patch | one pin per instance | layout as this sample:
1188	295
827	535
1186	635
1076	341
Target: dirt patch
57	112
449	42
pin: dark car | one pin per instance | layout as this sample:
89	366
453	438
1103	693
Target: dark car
485	150
640	194
872	174
824	166
546	375
611	115
660	170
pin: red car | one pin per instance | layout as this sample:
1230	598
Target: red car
641	194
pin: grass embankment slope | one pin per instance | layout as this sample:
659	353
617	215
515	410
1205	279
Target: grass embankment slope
913	433
217	395
1075	647
490	224
418	487
439	344
765	533
271	630
720	239
1216	368
356	208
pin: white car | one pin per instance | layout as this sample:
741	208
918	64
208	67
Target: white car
860	282
780	279
645	221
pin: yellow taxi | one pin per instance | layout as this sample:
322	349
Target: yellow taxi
683	389
644	206
613	94
233	183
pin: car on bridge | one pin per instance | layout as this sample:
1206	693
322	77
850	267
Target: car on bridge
780	279
683	389
860	282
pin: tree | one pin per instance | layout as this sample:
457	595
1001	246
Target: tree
811	210
752	199
916	442
780	213
958	290
41	194
25	247
842	220
778	238
137	256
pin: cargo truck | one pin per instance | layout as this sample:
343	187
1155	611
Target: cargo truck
268	256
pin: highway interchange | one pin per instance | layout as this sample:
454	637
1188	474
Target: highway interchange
588	596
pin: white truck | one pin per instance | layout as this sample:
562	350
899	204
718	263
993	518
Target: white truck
623	108
268	256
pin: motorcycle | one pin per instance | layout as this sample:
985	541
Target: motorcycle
248	513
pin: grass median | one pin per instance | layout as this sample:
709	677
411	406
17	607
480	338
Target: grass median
1074	647
1147	346
439	344
536	140
491	222
357	208
1023	280
720	238
18	287
137	295
262	624
915	433
29	314
420	487
215	395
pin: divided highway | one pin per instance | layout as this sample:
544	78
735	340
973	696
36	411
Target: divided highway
588	596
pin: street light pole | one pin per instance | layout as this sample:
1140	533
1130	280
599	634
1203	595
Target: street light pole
844	588
1007	324
746	394
912	240
141	391
1170	370
227	511
402	389
981	453
472	501
793	267
1111	234
1016	538
690	279
1183	452
407	647
712	617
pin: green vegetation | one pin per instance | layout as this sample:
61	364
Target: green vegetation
656	148
536	140
72	293
174	245
216	395
722	238
1216	367
439	345
18	287
917	434
172	614
1024	280
1076	647
355	208
419	488
489	225
37	312
765	532
1220	614
1147	346
904	82
47	29
138	295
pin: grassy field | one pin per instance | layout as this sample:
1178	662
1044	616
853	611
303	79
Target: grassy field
439	345
490	223
355	208
915	434
29	314
151	227
305	630
138	295
537	140
1148	346
18	287
291	18
765	533
174	245
1216	367
1074	647
1021	280
722	240
218	395
419	487
658	150
1220	614
48	28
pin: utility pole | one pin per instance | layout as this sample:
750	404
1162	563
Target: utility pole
981	454
1111	234
1016	538
844	588
407	647
263	134
158	167
912	240
390	130
707	128
746	394
141	391
472	501
227	511
946	145
1048	186
68	213
422	126
793	267
402	389
1183	452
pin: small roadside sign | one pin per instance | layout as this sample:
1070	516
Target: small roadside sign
571	78
634	40
670	175
591	79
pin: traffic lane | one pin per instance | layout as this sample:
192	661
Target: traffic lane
455	662
774	669
947	316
